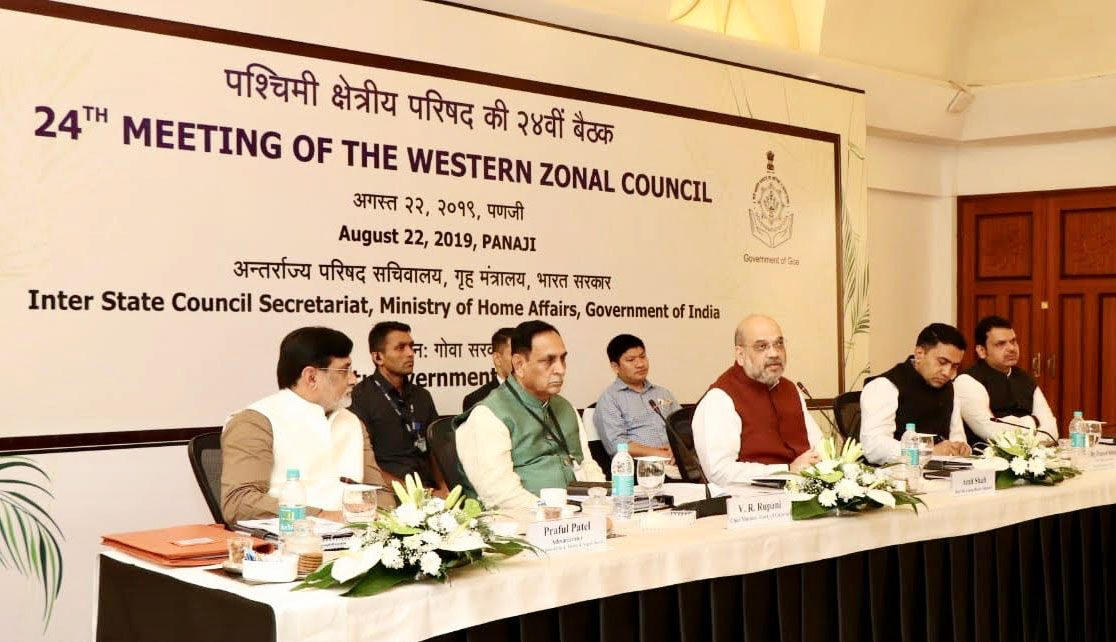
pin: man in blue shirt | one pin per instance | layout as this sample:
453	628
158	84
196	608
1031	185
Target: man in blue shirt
633	410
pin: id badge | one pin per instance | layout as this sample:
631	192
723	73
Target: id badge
420	436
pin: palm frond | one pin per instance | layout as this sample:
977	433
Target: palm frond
29	536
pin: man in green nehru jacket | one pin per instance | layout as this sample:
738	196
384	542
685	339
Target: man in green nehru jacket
523	437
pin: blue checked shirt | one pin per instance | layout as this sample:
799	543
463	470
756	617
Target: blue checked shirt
623	415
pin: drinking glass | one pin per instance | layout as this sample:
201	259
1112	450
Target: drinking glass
925	448
650	472
1092	435
358	503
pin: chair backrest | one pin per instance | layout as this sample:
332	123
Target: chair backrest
205	459
443	447
587	423
680	434
596	446
846	410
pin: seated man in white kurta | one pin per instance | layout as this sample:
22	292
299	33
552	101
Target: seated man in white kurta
306	426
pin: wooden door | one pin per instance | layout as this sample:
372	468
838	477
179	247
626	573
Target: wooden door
1047	262
1080	369
1001	268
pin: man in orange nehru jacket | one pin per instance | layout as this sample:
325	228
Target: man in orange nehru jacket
752	421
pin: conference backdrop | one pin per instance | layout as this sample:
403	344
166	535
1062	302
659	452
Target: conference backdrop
171	207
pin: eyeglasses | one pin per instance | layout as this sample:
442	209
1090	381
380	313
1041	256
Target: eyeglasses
762	346
347	371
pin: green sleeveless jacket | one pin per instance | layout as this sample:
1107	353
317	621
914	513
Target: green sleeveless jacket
538	455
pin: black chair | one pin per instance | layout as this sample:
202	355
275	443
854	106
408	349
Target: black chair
846	409
680	434
443	447
205	459
596	447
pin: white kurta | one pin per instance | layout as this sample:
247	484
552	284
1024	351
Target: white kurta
323	448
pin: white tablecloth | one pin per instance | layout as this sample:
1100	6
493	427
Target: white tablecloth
639	561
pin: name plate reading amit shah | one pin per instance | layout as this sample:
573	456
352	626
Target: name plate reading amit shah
747	511
568	534
970	483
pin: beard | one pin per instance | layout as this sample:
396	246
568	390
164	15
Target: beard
763	373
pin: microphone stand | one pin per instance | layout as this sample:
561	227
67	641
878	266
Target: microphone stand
655	407
1052	438
809	396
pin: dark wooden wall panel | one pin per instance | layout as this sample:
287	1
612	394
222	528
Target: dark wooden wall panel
1003	245
1106	382
1088	243
1067	370
1019	313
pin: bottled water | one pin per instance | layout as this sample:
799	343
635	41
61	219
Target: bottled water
623	483
912	463
292	502
1078	438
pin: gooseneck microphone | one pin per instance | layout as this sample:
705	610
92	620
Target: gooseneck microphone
1052	438
655	407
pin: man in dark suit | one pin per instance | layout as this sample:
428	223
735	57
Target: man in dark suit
501	363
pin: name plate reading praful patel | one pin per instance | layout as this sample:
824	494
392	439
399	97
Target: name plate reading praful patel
570	534
973	482
747	511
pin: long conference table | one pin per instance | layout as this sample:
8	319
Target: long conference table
1027	563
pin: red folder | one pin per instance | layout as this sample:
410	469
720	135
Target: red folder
160	545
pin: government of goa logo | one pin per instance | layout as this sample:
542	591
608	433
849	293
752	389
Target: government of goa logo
771	217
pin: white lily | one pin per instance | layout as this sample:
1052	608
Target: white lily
356	562
991	463
881	496
826	466
465	541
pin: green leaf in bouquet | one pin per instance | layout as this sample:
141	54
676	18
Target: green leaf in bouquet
906	499
379	579
1004	479
808	509
508	548
832	478
321	578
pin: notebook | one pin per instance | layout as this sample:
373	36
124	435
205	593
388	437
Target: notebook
191	545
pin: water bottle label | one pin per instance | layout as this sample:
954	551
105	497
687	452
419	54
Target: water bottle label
911	455
623	486
288	515
1077	440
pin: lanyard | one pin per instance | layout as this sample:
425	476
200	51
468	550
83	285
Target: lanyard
409	426
551	427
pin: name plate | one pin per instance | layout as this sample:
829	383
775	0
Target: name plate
969	483
1103	458
568	534
747	511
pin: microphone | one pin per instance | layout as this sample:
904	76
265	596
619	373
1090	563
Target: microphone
655	407
1010	423
1052	438
802	387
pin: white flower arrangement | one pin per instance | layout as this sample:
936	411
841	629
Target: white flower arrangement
1019	454
423	538
843	482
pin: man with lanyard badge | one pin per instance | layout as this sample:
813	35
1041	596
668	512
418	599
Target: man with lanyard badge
395	411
